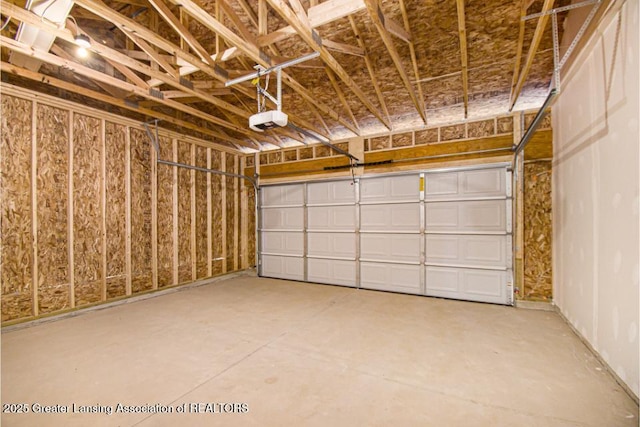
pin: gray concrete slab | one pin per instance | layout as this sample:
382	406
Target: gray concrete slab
288	353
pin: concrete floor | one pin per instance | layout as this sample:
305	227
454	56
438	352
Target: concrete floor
309	355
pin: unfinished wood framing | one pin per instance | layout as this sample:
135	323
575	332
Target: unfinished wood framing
93	217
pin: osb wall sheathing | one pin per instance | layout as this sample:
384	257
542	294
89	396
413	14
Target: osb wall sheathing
141	267
116	230
16	273
165	215
52	129
87	209
216	213
184	215
231	209
94	178
537	231
201	260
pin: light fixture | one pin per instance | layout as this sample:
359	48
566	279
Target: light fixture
82	40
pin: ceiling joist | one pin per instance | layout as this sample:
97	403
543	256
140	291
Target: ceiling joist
533	48
375	14
462	33
312	39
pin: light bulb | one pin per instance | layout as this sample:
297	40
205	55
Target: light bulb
82	52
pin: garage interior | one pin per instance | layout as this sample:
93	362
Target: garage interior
303	212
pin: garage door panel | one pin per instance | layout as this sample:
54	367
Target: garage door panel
467	284
468	216
483	183
282	267
390	277
395	217
334	192
332	272
283	243
331	218
283	195
390	189
467	250
338	245
471	184
441	184
390	247
283	219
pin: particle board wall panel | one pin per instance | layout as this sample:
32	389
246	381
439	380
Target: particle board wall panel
165	216
16	273
537	231
115	135
141	265
53	156
184	214
251	238
217	212
201	214
230	212
87	228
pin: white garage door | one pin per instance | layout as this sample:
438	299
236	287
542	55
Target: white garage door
445	234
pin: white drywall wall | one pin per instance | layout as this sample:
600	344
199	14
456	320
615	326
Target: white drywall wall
595	194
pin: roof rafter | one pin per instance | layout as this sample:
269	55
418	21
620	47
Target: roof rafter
113	81
312	39
254	53
52	81
376	15
533	48
462	33
369	64
182	31
412	52
343	100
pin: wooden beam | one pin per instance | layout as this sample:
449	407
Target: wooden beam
237	22
126	24
111	90
516	68
103	210
9	68
369	64
312	39
70	230
396	29
533	48
320	14
251	14
112	54
209	218
263	16
412	51
174	214
254	53
127	186
182	31
236	214
155	57
154	216
192	206
462	33
217	27
88	72
375	13
343	100
343	48
223	214
35	278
